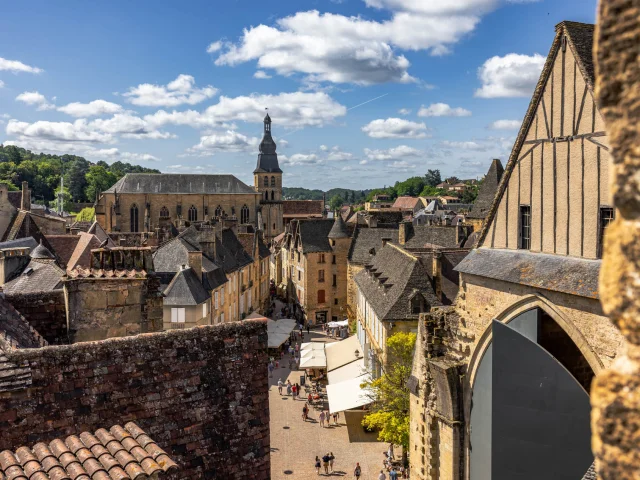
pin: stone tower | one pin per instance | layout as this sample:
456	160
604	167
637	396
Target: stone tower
268	181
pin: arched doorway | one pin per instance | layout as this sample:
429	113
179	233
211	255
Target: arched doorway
529	411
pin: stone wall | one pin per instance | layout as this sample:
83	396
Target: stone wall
46	312
201	393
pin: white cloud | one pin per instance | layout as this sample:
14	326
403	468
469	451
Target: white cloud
78	131
326	47
262	75
214	47
1	84
180	91
297	109
442	110
395	128
395	153
505	125
14	66
129	126
35	99
471	145
404	111
229	141
91	109
324	148
337	155
513	75
300	159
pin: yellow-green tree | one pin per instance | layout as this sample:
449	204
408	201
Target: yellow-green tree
390	393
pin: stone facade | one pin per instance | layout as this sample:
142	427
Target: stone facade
202	393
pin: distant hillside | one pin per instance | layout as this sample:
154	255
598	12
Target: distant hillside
349	196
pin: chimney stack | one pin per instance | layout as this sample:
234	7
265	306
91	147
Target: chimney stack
195	262
25	203
404	232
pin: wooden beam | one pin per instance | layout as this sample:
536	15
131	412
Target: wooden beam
584	97
565	139
598	144
546	122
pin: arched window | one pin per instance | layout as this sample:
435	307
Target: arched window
273	181
266	195
320	296
218	211
272	195
233	211
164	212
193	214
244	214
266	181
133	216
418	304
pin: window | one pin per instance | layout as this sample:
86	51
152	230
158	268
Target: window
218	211
266	181
179	210
273	181
320	296
335	280
193	214
164	212
335	301
525	227
274	226
206	210
417	304
215	299
266	195
222	318
133	215
177	315
272	195
299	275
333	243
321	275
333	259
321	258
233	211
221	296
244	214
298	256
204	309
606	217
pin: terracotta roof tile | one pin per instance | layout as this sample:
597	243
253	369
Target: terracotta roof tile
302	208
406	202
122	454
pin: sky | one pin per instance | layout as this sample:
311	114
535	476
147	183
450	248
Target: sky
362	93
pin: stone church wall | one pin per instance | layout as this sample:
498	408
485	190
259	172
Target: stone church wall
201	393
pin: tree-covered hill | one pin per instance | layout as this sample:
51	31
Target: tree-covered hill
82	178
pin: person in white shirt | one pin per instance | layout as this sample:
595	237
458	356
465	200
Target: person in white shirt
382	476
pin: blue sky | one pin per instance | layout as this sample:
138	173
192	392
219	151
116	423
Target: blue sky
362	92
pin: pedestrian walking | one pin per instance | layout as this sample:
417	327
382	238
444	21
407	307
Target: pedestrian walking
288	387
335	418
325	463
290	350
357	471
305	412
317	465
271	367
308	329
331	459
297	390
291	362
322	418
393	475
382	476
280	384
293	391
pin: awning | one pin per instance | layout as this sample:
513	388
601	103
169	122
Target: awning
312	346
343	352
274	340
278	331
348	394
342	323
348	372
315	360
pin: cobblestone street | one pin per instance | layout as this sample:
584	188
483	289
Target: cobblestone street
295	443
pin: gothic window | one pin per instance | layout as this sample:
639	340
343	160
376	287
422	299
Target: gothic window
418	304
218	211
272	195
266	195
206	210
164	212
233	211
193	214
244	214
133	216
266	181
273	181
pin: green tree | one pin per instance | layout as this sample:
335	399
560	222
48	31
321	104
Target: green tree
452	180
335	203
86	215
433	178
410	187
470	194
390	393
75	179
98	180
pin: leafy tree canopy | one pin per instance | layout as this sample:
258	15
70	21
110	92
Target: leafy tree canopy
433	178
335	203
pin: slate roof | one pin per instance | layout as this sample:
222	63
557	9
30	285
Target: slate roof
339	229
406	203
172	183
267	158
41	252
313	235
390	281
120	453
487	191
63	246
100	233
41	275
27	242
15	198
302	208
23	226
248	243
575	276
185	289
591	473
581	41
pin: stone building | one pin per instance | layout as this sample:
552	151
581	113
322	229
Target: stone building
391	292
144	203
486	194
301	209
528	317
186	303
314	267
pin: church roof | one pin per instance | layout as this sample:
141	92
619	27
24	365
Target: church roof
267	158
172	183
487	191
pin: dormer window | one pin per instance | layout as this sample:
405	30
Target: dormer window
418	304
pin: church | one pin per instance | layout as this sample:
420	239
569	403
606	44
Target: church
153	203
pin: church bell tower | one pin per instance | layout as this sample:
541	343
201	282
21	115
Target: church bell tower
267	178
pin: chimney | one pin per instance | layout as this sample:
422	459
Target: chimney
385	241
25	203
404	232
436	273
207	240
372	221
195	262
12	262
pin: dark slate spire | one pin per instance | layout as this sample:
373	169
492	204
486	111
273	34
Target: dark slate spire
267	158
339	229
487	191
41	252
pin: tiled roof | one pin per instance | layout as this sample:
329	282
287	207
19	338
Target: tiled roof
248	243
406	203
99	232
83	225
302	208
23	226
581	39
41	275
120	453
81	256
63	246
313	235
185	289
27	242
390	281
41	252
172	183
487	190
339	229
80	272
15	199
